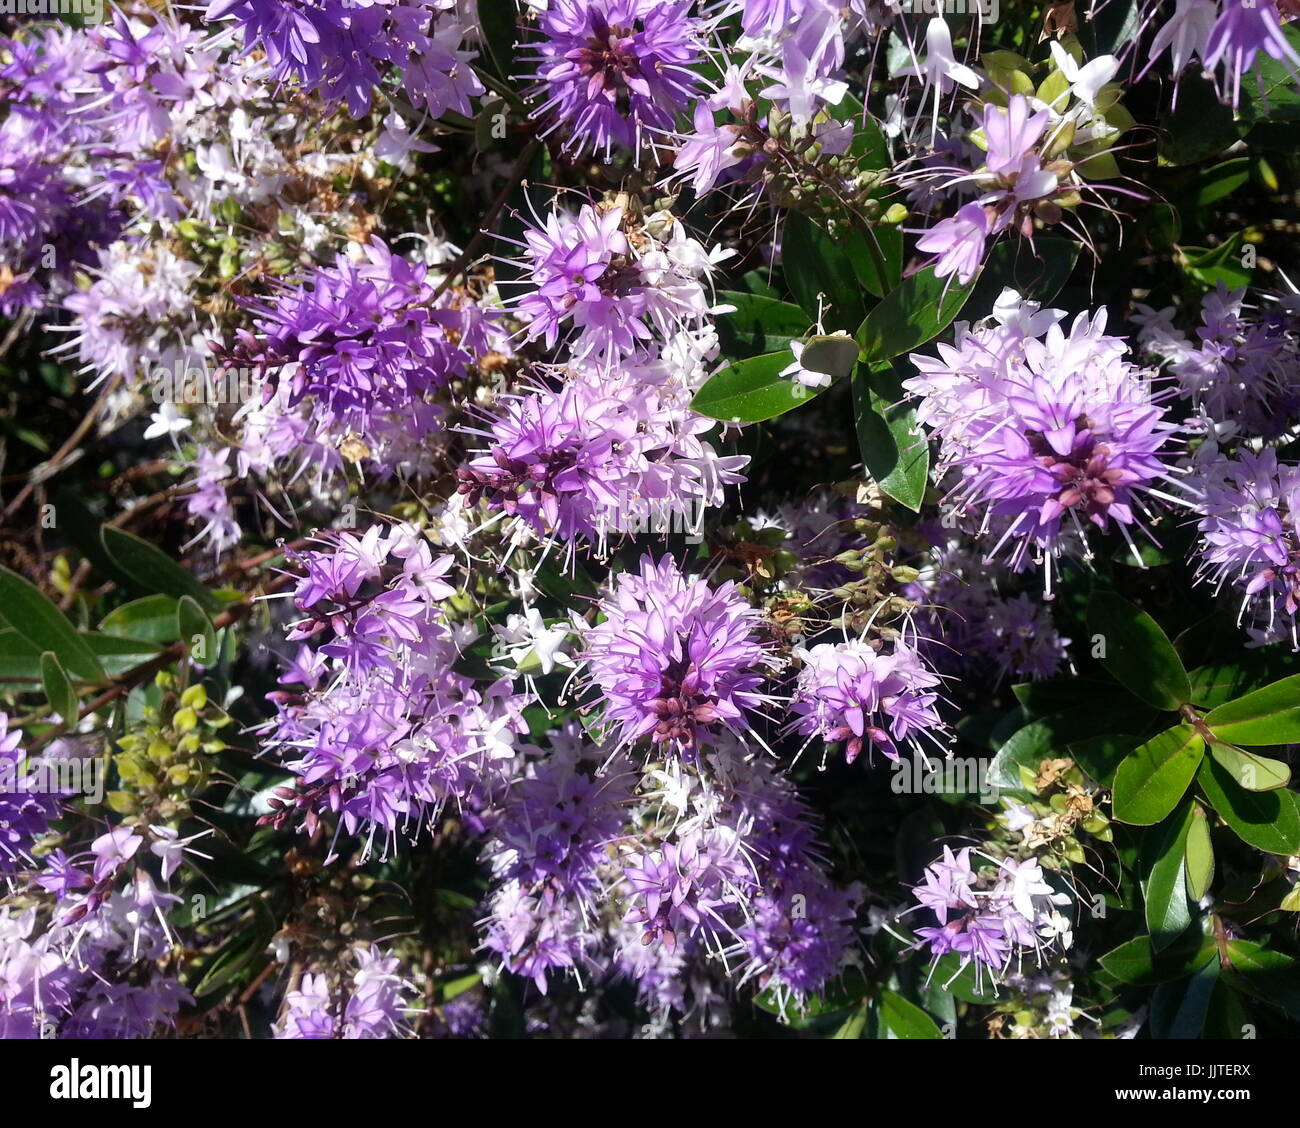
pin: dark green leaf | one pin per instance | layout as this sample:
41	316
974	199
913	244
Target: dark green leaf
1137	962
820	274
152	619
1165	892
152	570
58	689
904	1019
1270	976
1136	652
1222	180
42	624
758	325
1179	1010
498	19
750	391
894	450
917	310
193	626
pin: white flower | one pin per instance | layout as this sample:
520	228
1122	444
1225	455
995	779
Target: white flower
167	420
1085	81
940	67
528	634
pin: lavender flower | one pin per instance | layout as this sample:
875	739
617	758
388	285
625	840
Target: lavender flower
989	921
1249	536
611	71
1041	425
865	697
674	660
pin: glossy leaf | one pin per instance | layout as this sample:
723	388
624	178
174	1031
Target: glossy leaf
750	391
1267	820
1199	854
1254	773
894	451
917	311
152	570
1155	775
1165	892
1268	716
904	1019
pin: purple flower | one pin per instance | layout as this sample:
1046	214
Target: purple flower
854	693
1249	536
681	887
959	242
988	921
342	50
24	816
1044	429
675	660
610	71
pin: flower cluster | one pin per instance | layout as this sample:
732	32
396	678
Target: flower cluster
1044	430
989	919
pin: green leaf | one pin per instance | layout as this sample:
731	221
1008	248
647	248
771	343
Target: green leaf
1101	756
1268	716
853	1026
1179	1010
830	355
1211	265
820	274
1137	962
58	689
1136	652
194	625
917	310
21	660
1059	735
1154	776
1254	773
750	391
904	1019
1270	976
1199	854
1165	891
42	624
758	325
889	244
1221	180
152	570
1201	125
894	451
152	619
1267	820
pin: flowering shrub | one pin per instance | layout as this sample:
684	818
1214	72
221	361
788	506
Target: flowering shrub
619	518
